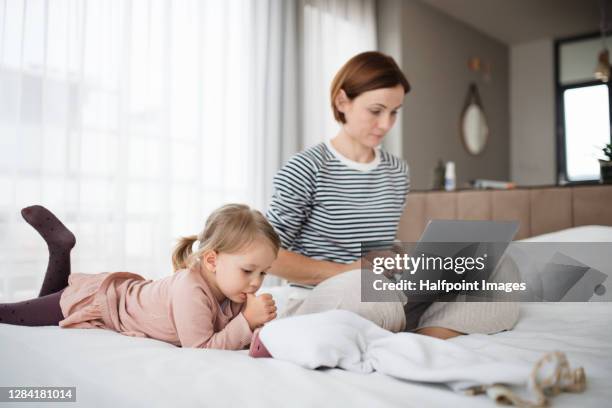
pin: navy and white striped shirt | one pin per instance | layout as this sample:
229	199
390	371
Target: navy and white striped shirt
325	205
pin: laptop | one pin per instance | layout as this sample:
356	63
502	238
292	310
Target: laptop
469	231
485	240
469	237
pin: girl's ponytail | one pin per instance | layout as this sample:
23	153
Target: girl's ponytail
182	252
228	229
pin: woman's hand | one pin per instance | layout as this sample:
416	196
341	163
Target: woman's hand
259	310
353	265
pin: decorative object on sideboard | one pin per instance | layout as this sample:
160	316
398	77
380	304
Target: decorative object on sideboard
602	69
474	129
492	184
450	179
438	180
605	166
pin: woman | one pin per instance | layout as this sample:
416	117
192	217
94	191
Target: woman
332	197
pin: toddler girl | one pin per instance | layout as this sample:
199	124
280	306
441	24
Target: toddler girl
208	302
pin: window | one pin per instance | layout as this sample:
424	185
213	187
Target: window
587	129
109	114
583	109
133	120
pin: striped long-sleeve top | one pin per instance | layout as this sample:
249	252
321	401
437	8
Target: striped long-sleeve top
325	205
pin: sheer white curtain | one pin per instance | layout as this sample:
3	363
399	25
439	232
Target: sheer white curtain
333	31
132	120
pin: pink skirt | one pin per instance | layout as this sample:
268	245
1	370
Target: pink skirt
91	300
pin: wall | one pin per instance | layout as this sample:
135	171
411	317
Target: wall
532	109
434	52
389	25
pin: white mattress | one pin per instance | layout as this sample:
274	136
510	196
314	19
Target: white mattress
109	369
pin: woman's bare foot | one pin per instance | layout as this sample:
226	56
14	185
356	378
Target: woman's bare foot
439	332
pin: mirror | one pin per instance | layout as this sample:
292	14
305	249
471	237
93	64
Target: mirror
474	128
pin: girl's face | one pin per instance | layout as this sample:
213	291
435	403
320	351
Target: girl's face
243	272
371	115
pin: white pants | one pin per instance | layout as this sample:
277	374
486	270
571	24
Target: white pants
343	291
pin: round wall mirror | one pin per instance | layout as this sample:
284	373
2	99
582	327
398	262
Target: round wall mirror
474	128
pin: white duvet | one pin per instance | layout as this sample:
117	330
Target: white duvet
343	339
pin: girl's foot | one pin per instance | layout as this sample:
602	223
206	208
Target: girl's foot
60	241
257	348
55	234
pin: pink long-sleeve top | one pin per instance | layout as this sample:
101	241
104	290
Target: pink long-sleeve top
179	309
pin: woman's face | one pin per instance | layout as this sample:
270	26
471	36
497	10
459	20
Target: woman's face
372	114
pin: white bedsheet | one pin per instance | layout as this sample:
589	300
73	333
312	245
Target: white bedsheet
109	369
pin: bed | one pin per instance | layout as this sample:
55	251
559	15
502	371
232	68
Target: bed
109	369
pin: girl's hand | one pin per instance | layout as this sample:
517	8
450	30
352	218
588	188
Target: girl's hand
259	310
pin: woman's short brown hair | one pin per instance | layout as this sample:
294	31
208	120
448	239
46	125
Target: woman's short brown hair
365	72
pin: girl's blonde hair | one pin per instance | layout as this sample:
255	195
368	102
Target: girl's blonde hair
228	229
